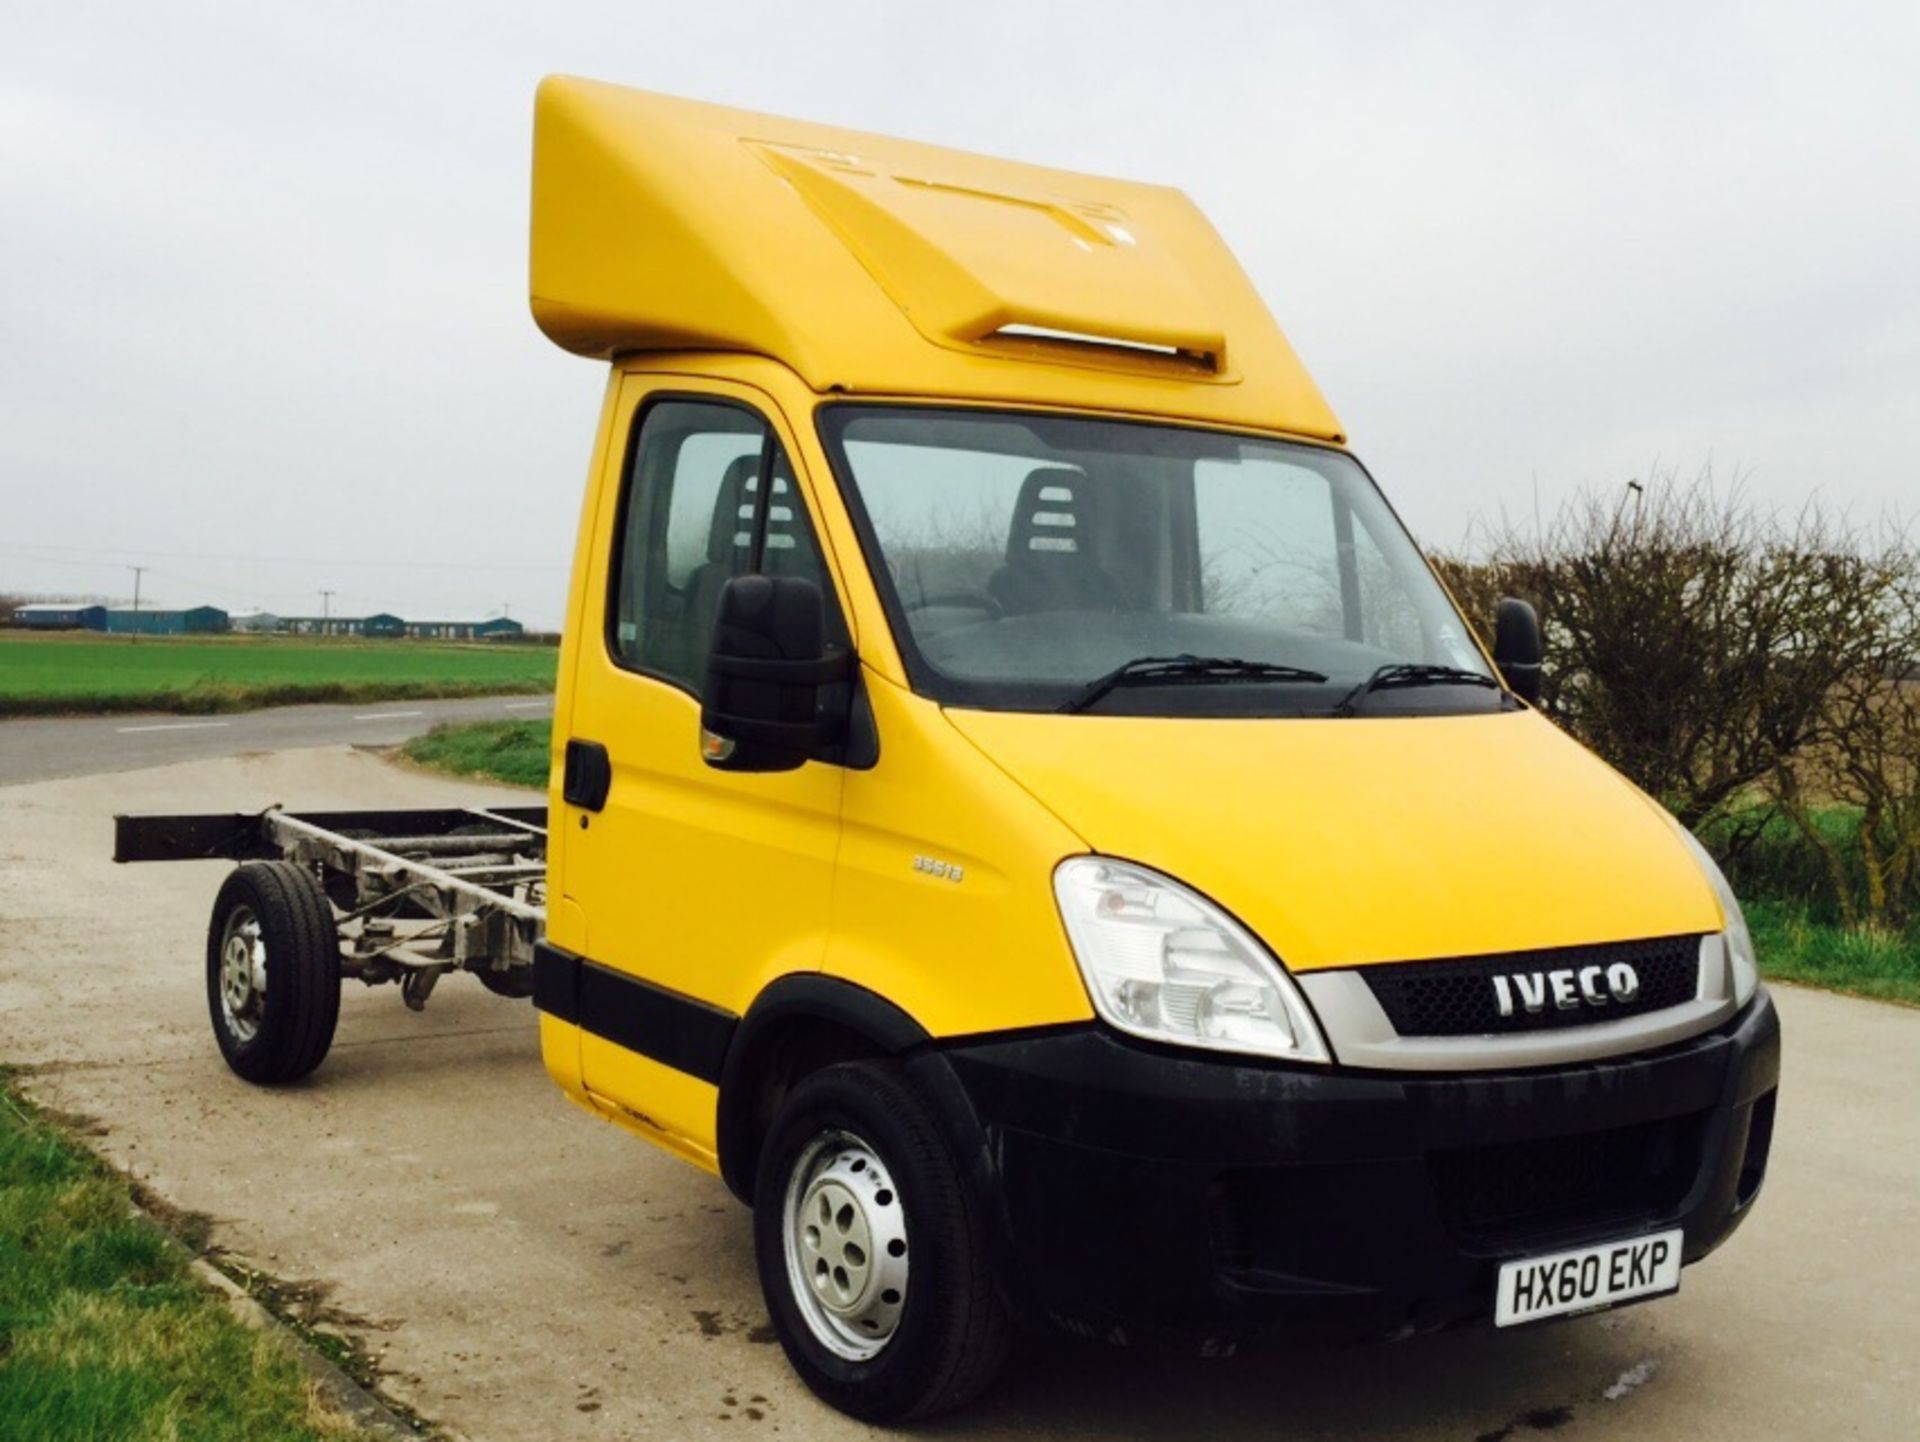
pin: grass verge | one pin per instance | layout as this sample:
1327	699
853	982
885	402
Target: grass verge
103	1332
1795	945
511	751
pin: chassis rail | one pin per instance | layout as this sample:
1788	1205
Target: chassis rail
414	894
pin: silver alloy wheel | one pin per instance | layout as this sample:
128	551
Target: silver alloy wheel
844	1229
243	973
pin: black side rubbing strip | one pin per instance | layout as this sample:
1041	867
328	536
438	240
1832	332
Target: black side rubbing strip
669	1028
556	981
661	1025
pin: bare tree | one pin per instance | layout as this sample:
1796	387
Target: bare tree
1693	640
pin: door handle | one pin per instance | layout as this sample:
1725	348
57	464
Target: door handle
587	775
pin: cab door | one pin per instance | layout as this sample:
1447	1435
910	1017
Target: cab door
697	886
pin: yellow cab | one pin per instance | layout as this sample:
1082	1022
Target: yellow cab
1027	817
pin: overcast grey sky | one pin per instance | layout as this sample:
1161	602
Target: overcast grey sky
263	321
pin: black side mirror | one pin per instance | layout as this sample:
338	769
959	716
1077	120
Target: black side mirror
765	668
1517	648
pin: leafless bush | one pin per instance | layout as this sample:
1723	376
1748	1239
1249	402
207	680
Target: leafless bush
1693	639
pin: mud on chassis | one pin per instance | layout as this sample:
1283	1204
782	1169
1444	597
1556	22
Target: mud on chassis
376	896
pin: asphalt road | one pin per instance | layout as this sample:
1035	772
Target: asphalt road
524	1271
53	747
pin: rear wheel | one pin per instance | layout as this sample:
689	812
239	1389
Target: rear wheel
871	1258
273	971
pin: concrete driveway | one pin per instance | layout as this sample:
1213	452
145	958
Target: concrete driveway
526	1272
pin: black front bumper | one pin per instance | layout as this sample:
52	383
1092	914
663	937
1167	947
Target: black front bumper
1146	1194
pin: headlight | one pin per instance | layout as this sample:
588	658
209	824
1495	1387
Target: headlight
1746	967
1164	963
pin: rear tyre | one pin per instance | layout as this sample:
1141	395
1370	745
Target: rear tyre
872	1260
273	972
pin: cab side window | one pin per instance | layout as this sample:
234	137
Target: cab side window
708	496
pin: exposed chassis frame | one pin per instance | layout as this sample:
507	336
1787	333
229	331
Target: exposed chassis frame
414	894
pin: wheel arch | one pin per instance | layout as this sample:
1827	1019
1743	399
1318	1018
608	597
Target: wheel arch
800	1023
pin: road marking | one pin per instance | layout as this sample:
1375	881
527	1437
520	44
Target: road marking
525	705
388	715
171	726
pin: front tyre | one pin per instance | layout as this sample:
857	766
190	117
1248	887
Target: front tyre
273	971
872	1261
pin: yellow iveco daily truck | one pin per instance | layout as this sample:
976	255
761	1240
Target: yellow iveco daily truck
1024	813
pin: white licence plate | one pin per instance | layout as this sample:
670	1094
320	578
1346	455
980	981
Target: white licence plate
1587	1277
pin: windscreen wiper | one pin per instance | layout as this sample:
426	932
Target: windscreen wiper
1397	674
1153	670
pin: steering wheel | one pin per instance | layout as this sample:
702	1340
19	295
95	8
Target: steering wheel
964	600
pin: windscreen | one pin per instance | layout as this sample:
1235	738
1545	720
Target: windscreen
1023	557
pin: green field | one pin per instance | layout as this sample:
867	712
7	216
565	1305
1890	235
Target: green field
103	1331
77	675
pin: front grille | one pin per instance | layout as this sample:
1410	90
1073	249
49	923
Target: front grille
1457	998
1511	1189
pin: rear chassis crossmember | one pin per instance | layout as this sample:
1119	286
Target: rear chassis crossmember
414	894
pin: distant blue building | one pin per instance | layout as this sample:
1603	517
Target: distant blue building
60	616
380	623
488	630
195	620
386	624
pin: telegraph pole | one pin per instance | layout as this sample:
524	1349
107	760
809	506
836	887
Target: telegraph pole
138	572
326	611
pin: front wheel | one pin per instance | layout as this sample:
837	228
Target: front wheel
872	1260
273	971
